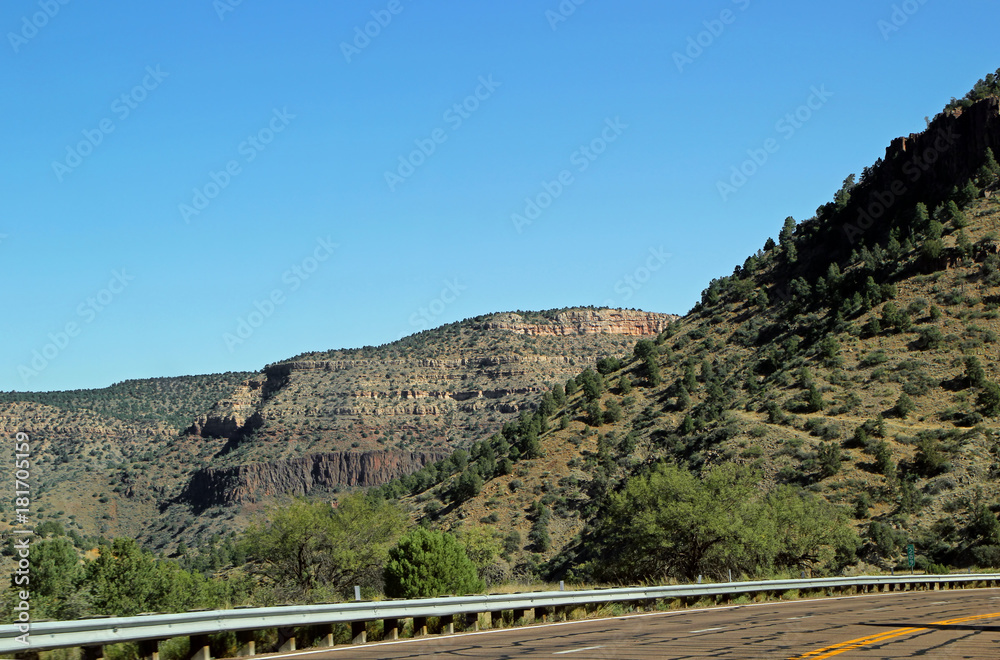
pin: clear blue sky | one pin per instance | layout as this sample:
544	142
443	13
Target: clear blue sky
116	113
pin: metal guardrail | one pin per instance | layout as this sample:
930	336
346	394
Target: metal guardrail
112	630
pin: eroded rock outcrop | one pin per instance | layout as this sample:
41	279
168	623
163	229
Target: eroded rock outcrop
300	476
584	322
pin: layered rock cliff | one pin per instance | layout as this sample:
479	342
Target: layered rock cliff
493	364
584	322
253	482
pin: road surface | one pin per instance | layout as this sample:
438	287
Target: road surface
937	624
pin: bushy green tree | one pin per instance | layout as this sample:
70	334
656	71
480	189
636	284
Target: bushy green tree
670	522
808	530
428	563
125	580
56	578
312	551
484	546
643	349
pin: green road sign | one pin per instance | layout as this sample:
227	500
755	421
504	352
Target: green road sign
910	555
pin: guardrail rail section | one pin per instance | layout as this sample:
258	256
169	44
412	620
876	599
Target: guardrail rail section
150	629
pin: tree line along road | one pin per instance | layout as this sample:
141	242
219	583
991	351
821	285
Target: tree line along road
937	624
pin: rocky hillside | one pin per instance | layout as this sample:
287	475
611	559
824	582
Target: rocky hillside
146	458
854	358
435	391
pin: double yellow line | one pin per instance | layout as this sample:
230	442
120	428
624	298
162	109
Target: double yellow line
837	649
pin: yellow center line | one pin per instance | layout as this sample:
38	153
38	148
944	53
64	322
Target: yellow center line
837	649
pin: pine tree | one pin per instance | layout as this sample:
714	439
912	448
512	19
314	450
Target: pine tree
428	563
559	394
787	230
683	399
967	194
990	170
814	400
954	214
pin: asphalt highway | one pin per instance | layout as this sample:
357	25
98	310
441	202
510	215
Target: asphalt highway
936	624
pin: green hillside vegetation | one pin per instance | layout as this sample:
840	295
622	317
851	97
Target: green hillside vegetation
834	399
171	401
849	382
464	335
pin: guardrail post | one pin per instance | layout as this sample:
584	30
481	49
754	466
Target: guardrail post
327	639
471	621
92	653
200	648
149	649
448	624
390	629
359	632
247	644
419	626
496	619
286	639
